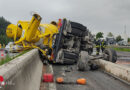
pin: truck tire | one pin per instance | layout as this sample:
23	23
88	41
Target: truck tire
70	57
69	62
111	55
114	56
78	29
83	63
78	26
77	32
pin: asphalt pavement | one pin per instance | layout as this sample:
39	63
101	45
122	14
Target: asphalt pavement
123	58
96	80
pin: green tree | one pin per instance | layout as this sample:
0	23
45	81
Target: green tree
119	38
3	24
128	39
110	34
99	35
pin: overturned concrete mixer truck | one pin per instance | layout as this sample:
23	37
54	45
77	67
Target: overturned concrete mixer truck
60	42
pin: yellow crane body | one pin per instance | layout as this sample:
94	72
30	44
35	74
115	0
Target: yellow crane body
27	33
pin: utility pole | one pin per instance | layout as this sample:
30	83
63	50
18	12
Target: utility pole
125	35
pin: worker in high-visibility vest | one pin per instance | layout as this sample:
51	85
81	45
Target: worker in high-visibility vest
59	23
103	45
0	45
97	47
3	45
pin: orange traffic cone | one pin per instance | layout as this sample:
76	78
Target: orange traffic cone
59	80
81	81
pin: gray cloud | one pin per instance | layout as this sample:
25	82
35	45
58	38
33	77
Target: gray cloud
98	15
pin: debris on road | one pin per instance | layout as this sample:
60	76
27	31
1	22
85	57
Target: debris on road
47	77
81	81
61	80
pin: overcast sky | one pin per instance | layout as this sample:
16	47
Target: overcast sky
98	15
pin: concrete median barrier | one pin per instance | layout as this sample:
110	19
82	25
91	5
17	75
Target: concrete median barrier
23	73
115	69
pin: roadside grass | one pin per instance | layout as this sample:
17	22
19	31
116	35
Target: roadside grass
120	49
8	58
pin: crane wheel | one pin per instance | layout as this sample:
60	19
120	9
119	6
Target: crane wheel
83	63
110	55
78	26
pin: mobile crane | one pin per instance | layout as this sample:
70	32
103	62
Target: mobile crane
60	43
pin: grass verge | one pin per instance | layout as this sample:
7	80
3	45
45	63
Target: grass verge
121	49
8	58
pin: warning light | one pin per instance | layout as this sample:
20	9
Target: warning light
59	23
2	83
1	79
2	54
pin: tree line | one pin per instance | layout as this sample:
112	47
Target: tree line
118	38
3	24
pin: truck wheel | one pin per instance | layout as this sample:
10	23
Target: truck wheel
77	32
83	62
78	29
114	56
81	65
110	55
69	62
69	58
78	26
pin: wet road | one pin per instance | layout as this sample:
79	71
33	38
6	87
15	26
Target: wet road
96	80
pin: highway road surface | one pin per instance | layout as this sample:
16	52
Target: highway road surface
96	80
123	58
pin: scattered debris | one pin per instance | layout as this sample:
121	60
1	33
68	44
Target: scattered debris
47	77
68	69
61	80
63	73
81	81
94	67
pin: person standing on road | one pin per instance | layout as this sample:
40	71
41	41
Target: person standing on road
103	45
97	47
0	46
